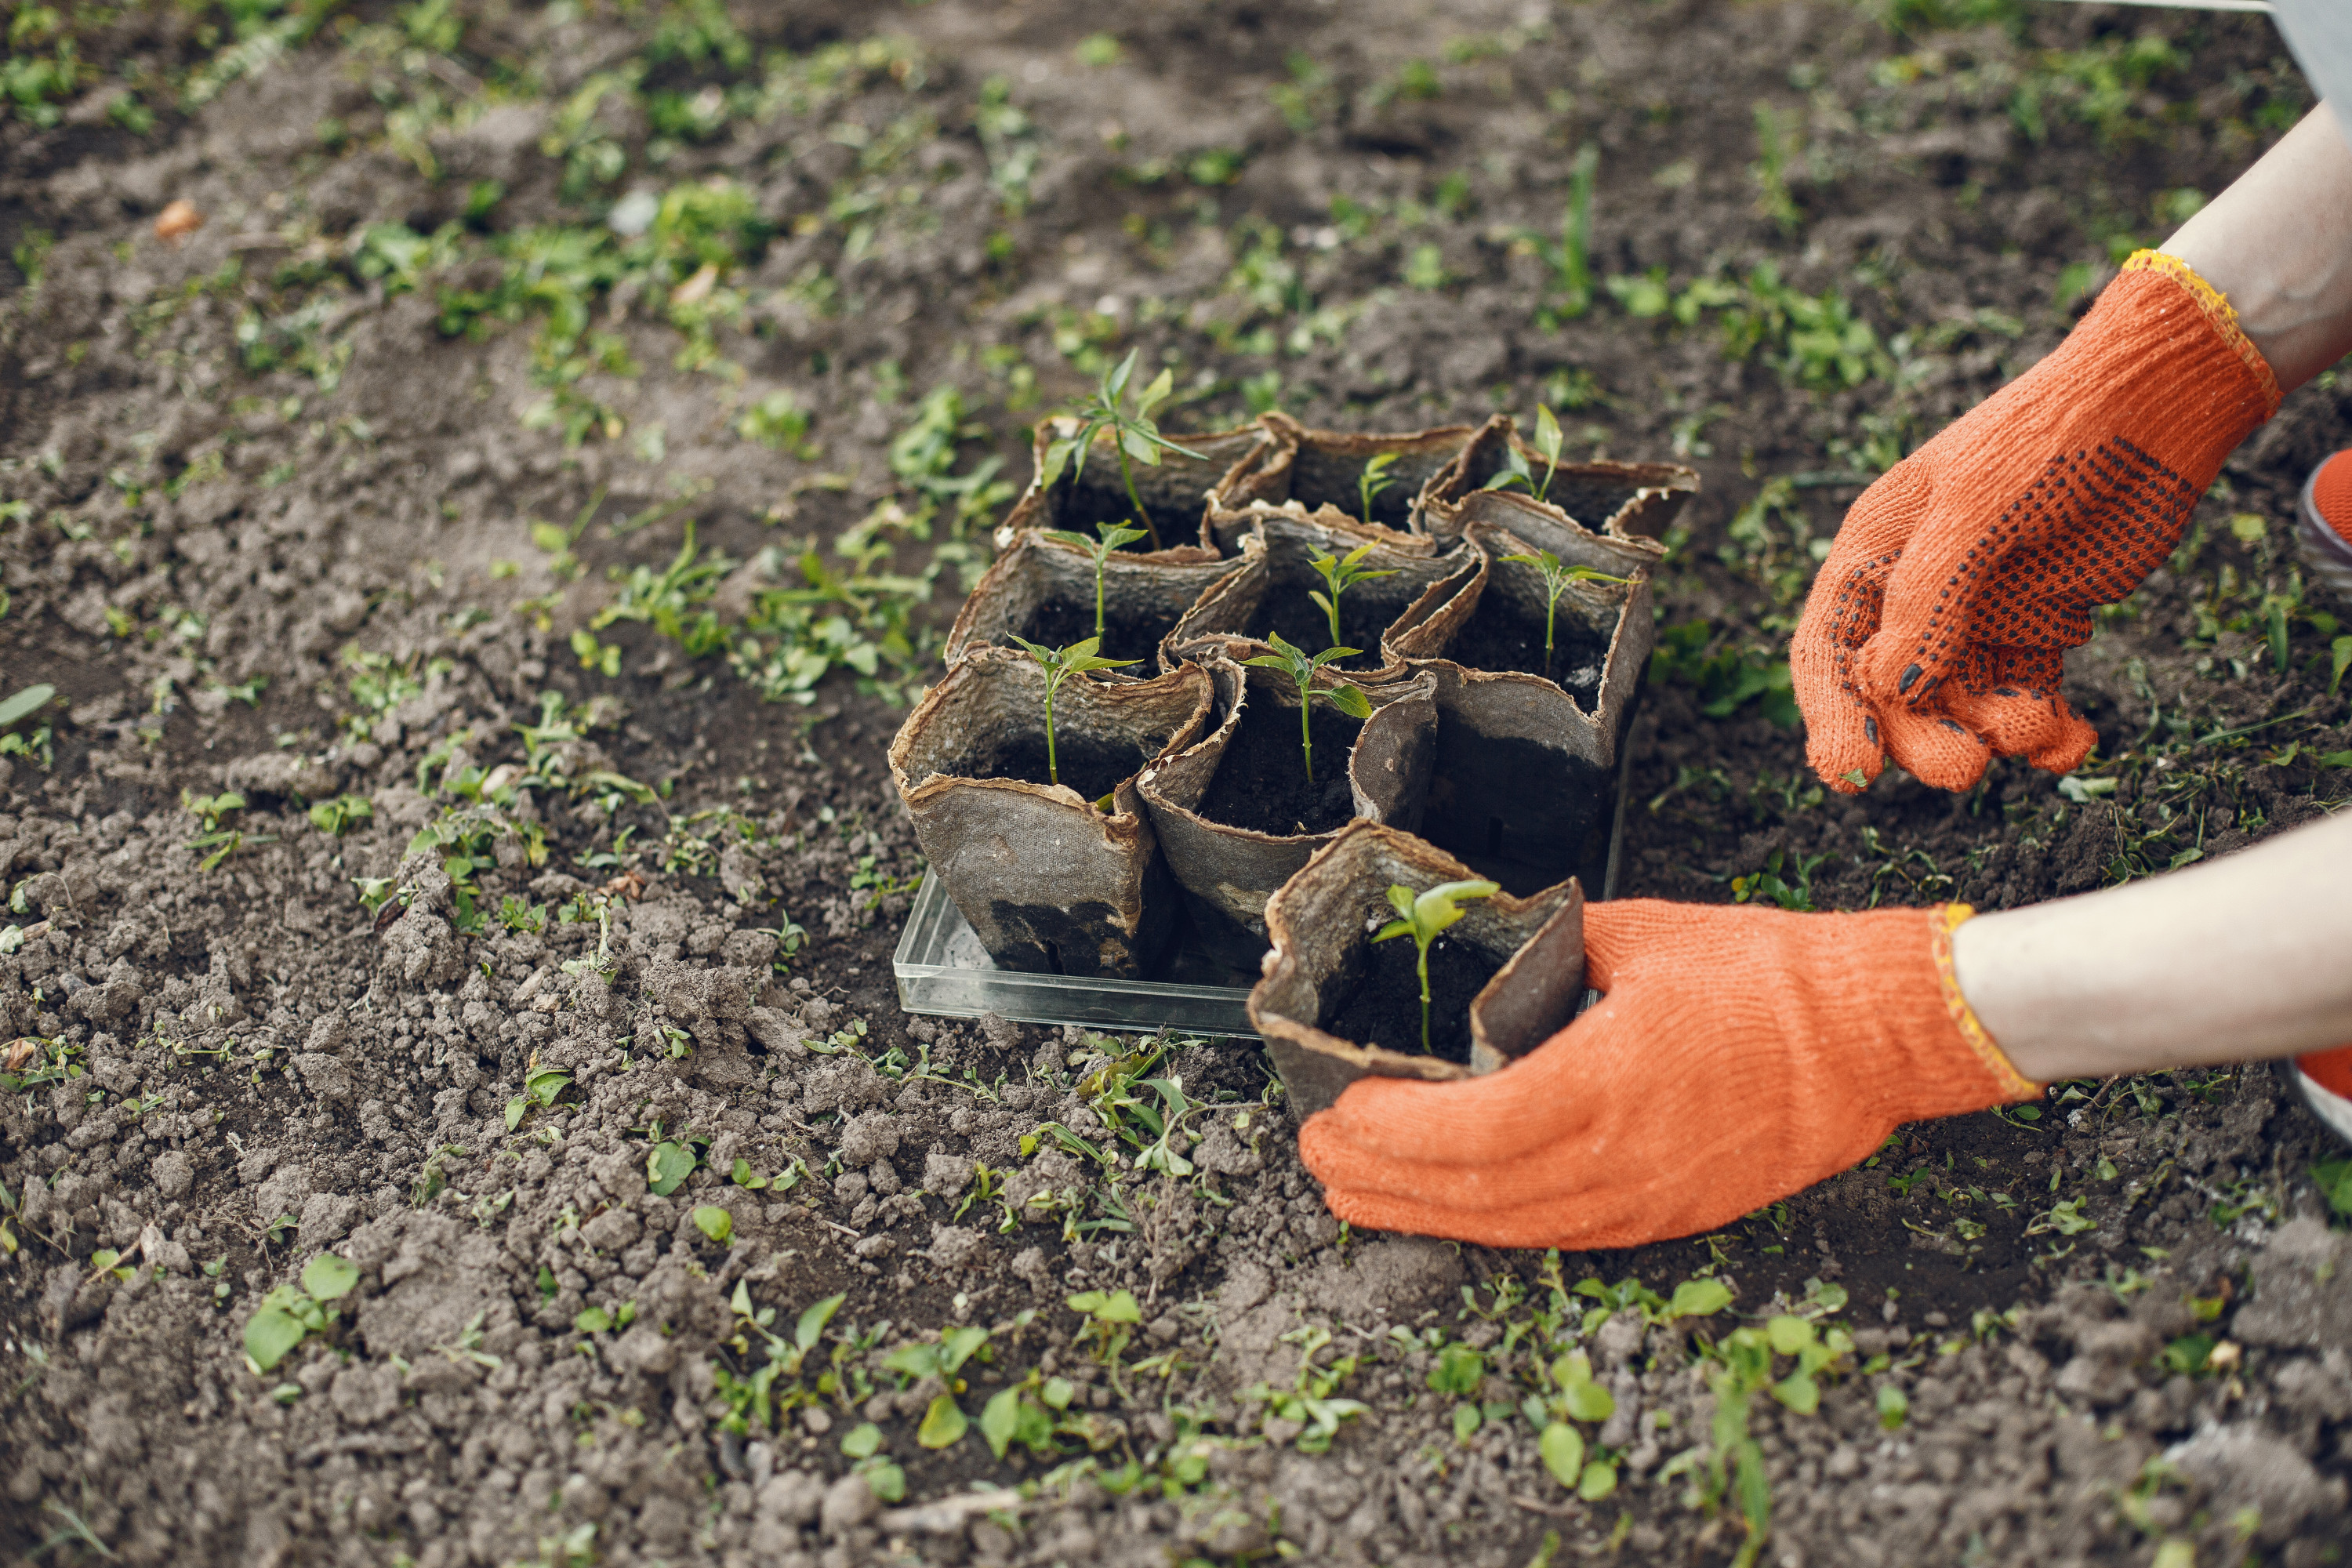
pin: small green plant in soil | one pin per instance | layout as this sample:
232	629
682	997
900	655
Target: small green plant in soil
1059	664
1339	574
292	1313
1515	471
1133	433
1112	536
1374	480
1556	578
1301	666
1422	916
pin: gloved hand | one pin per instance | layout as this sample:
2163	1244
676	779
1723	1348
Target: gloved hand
1936	631
1738	1055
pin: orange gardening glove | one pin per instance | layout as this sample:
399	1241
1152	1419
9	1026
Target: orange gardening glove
1739	1055
1936	631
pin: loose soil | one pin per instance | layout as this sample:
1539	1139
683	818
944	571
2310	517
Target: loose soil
1382	1006
1262	786
280	509
1091	767
1498	637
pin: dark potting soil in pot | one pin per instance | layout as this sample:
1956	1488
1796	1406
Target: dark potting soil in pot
1261	784
1302	624
1091	767
1383	1008
1059	622
1499	637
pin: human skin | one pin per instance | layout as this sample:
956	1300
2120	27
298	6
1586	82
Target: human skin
2242	959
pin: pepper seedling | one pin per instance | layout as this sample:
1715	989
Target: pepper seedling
1134	434
1113	537
1059	664
1339	574
1372	482
1424	915
1548	441
1301	666
1556	578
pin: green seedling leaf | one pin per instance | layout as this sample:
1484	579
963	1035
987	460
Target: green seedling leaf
1426	916
1339	574
1301	666
715	1223
1799	1391
271	1334
1459	1370
745	1177
1374	480
1893	1407
1789	1335
1116	1307
1562	1447
1131	433
1466	1422
1698	1299
2339	659
1597	1482
1000	1418
810	1327
330	1278
956	1346
863	1441
24	704
592	1321
1058	665
943	1424
667	1167
516	1109
1588	1402
1556	579
887	1482
1098	552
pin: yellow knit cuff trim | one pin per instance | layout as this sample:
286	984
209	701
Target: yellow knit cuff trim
2015	1085
2218	311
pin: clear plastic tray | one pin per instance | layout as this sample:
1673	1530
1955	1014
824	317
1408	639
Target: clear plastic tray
944	971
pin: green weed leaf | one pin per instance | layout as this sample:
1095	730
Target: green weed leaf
715	1223
330	1278
1562	1447
667	1167
943	1424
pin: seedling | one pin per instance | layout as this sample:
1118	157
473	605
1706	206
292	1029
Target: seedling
1339	574
1372	482
1556	578
1424	915
1059	664
1133	433
1113	537
291	1313
1548	441
1301	667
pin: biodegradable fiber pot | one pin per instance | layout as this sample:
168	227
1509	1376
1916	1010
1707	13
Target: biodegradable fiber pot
1049	882
1322	922
1268	592
1525	782
1174	491
1303	472
1620	500
1228	872
1044	590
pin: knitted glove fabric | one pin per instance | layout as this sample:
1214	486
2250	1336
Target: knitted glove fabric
1936	631
1738	1056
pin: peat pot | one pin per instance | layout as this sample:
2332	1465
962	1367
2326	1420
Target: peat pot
1524	783
1044	590
1174	491
1049	880
1235	814
1268	593
1307	473
1623	500
1334	1005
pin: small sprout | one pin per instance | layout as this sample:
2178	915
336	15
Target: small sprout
338	817
1134	434
715	1223
1556	578
1370	483
1424	916
1059	665
1113	537
1339	574
1548	441
667	1167
1301	667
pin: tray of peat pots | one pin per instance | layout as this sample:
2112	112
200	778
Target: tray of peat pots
1294	755
1537	659
1019	772
1372	482
1392	958
1060	587
1616	500
1318	584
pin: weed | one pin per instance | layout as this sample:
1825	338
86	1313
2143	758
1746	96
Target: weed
1773	881
1340	572
1515	471
1311	1403
1372	482
1556	578
338	817
1300	666
290	1314
778	421
1057	666
1423	917
1727	679
944	1423
1133	434
754	1395
39	744
1097	553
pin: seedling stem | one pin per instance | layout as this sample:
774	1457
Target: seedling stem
1133	433
1059	664
1375	479
1556	578
1339	573
1424	915
1301	666
1113	536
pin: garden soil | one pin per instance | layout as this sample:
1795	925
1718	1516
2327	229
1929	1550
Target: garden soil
289	513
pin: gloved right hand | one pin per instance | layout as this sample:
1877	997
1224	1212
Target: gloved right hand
1936	632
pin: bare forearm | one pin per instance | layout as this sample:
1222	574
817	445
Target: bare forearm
2278	242
2241	960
